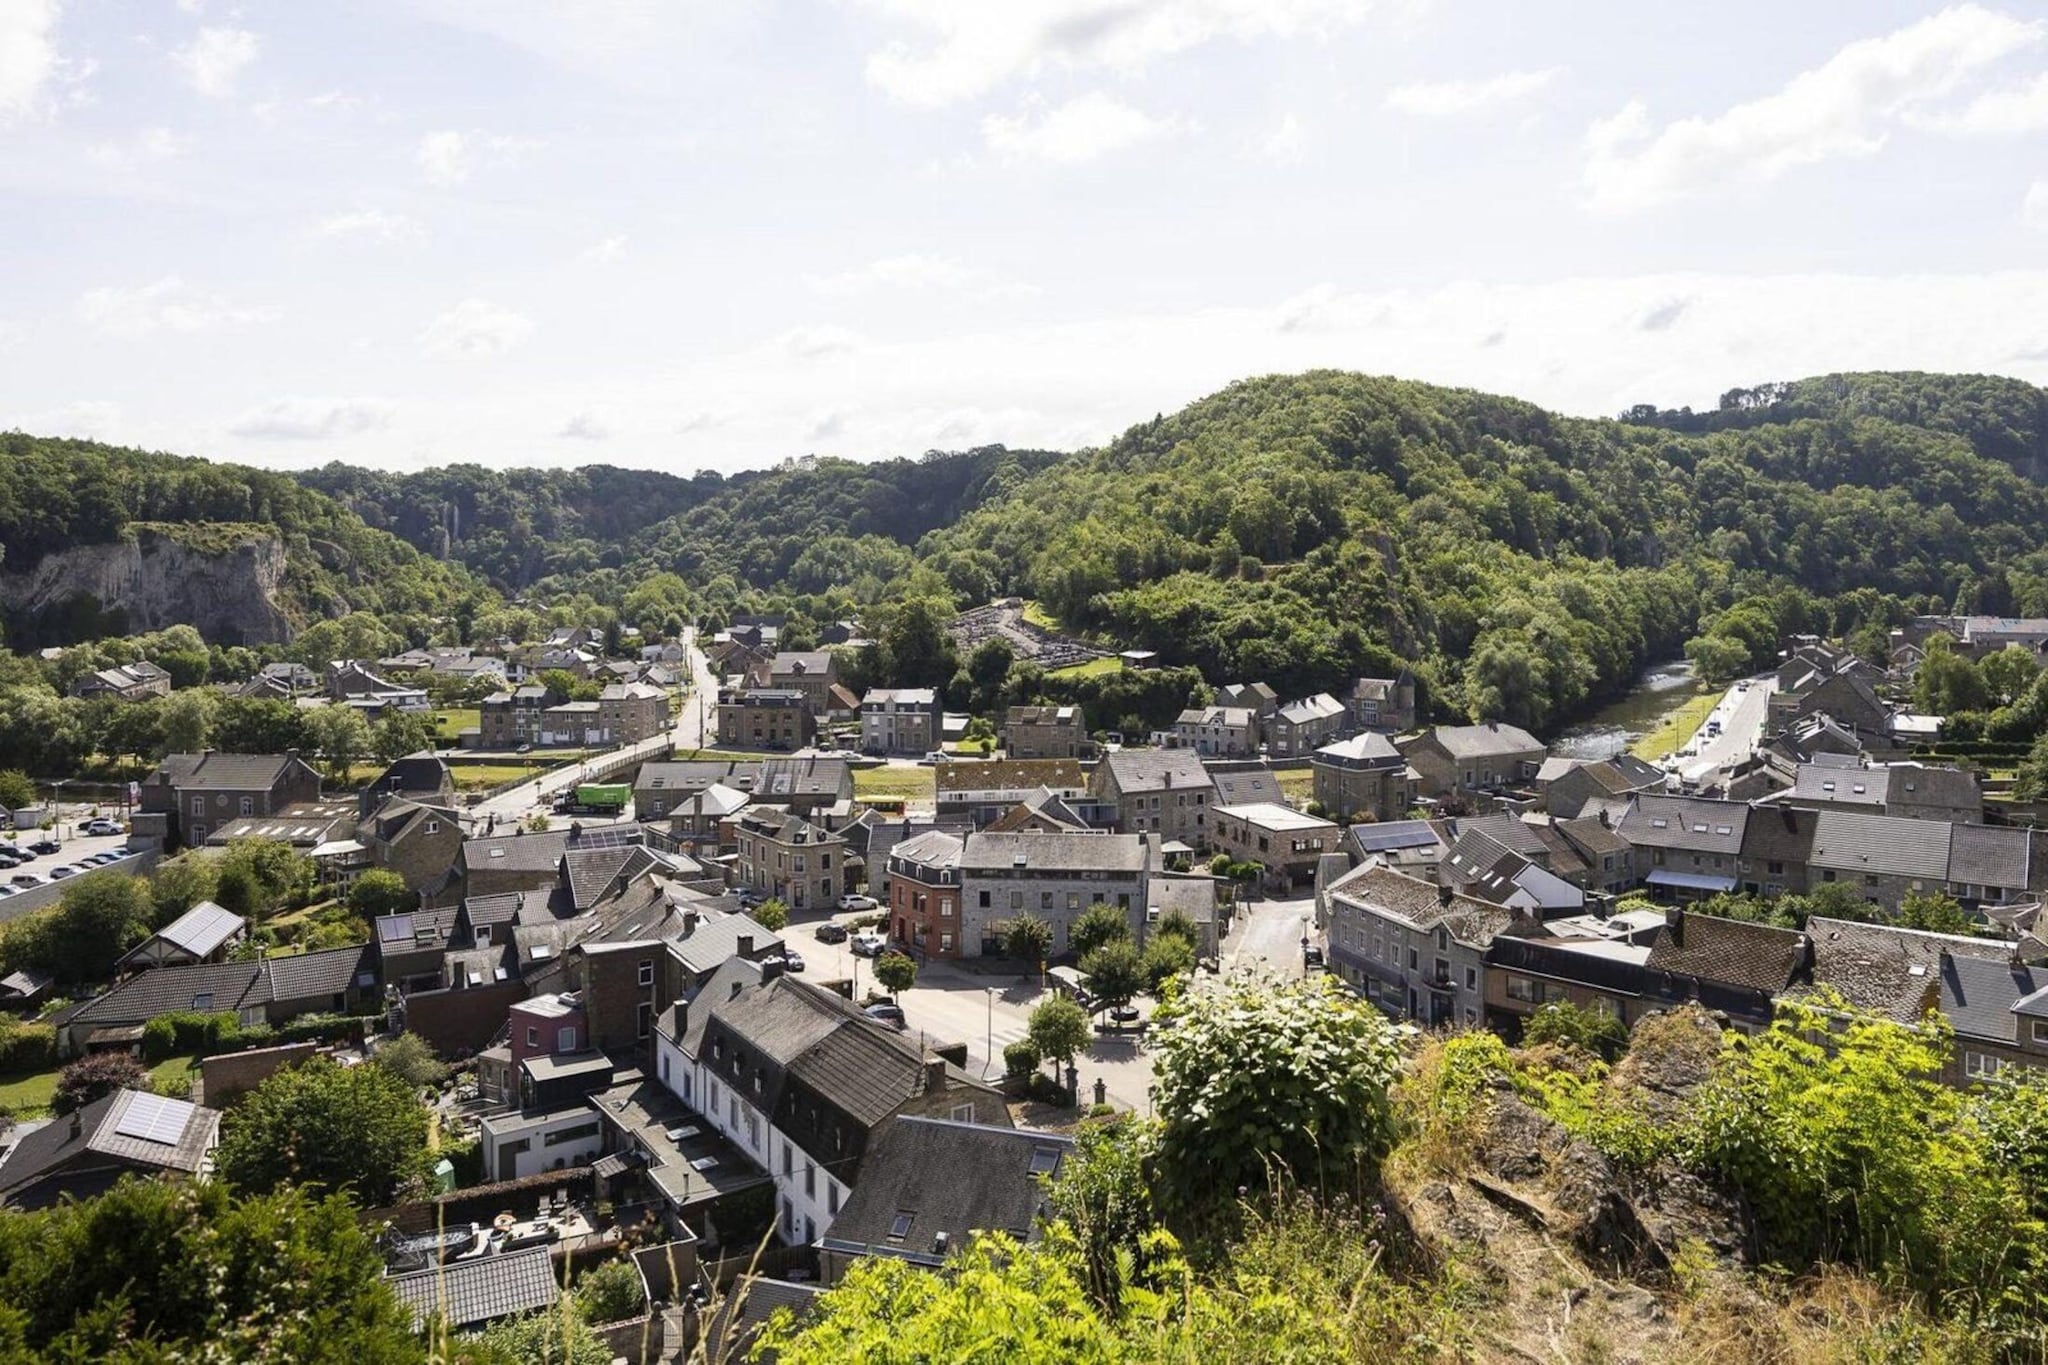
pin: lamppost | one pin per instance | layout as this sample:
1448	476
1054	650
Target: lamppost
989	1044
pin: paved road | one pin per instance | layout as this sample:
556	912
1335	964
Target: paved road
1741	711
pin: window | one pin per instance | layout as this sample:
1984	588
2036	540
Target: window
788	1159
645	1022
433	826
945	907
831	1197
1073	900
1981	1066
565	1039
1443	940
575	1134
1522	988
1045	900
1414	959
899	1227
1471	980
753	1129
1016	900
199	805
962	1113
810	1179
2041	1030
647	971
532	1035
945	943
248	805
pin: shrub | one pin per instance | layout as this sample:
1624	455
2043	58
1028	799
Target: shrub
92	1077
771	915
612	1292
26	1047
1561	1021
1021	1058
409	1056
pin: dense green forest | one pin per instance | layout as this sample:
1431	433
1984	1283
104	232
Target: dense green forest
1302	529
57	494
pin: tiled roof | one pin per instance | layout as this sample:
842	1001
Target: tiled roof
470	1293
1419	905
1308	710
1508	831
1839	786
1685	822
1986	855
933	848
592	870
1914	784
1151	770
1978	995
1757	957
1779	834
1892	971
515	852
1253	786
1044	715
1009	774
1368	750
226	772
181	1147
1236	717
1482	741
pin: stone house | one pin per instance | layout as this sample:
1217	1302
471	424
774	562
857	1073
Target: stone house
1417	951
1383	704
1686	845
1166	793
1609	779
1301	727
628	712
786	857
812	672
1218	731
900	720
1045	732
766	718
1053	876
1464	760
1284	841
125	682
506	720
1362	778
197	793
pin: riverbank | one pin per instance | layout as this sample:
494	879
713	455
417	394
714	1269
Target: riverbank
1679	725
1657	717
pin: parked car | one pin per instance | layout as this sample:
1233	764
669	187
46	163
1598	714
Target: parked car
46	846
26	879
63	870
832	932
792	963
854	900
103	827
868	943
892	1015
9	857
931	759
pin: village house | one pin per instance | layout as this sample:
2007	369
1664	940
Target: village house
510	719
192	794
924	893
125	682
812	672
1571	785
1362	778
629	712
785	857
900	720
1415	950
983	790
1053	876
1286	842
1045	732
1163	792
1909	791
766	718
1686	845
1298	728
1465	760
127	1133
1386	705
1258	698
1218	731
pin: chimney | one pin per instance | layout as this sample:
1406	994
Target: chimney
934	1075
939	1243
1606	820
1805	968
1674	919
291	753
1443	894
689	923
77	1123
746	945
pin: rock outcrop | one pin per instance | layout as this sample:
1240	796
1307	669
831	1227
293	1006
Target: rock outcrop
222	581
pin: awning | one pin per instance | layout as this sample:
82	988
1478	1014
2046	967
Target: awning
1690	881
338	848
616	1164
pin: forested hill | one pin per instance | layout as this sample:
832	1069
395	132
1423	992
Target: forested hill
61	495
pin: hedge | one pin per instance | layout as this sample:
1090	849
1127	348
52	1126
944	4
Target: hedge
170	1035
27	1047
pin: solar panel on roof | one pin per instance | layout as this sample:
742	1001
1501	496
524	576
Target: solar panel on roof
154	1118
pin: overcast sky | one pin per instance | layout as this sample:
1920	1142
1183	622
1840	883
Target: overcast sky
709	233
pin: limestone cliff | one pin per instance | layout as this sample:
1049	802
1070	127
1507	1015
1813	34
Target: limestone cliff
222	579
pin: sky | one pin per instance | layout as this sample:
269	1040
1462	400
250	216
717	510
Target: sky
691	234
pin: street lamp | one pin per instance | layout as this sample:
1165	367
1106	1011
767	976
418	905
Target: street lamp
989	1044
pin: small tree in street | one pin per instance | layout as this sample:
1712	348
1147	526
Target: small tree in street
1059	1030
1102	923
1027	938
896	971
771	915
1115	973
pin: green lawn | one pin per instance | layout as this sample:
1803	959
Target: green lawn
1108	663
28	1096
182	1070
476	777
1037	615
895	784
457	719
1678	727
1297	784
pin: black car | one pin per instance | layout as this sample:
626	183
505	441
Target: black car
831	931
46	846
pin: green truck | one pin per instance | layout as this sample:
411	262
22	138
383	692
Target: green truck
603	798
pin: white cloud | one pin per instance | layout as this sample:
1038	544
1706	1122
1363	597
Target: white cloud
1445	99
968	49
167	305
214	59
449	157
28	53
146	147
1844	107
2015	109
591	424
604	252
914	273
812	343
1286	143
312	419
2034	208
369	225
1085	127
477	328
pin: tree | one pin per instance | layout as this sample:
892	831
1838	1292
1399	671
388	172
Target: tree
16	791
1102	1195
235	889
259	725
1264	1079
771	915
1936	913
411	1058
340	734
380	892
896	971
1027	938
187	719
196	1273
1167	956
1100	923
178	884
358	1128
99	917
278	872
398	733
1591	1031
2009	673
95	1076
1058	1029
1115	973
611	1292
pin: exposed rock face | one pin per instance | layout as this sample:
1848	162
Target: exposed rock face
227	592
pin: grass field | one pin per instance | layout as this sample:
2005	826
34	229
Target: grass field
1297	784
28	1096
1037	615
1108	663
178	1070
457	719
897	784
476	777
1678	727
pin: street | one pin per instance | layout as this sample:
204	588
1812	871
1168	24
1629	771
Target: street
1741	712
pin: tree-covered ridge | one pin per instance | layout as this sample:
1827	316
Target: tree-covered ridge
60	494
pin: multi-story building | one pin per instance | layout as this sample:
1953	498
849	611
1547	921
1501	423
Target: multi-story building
1045	732
1302	727
766	718
506	720
900	720
786	857
983	790
1053	876
630	712
1687	845
801	1082
1459	761
812	672
1284	841
924	893
1383	704
191	795
1219	731
1163	792
125	682
1415	950
1364	777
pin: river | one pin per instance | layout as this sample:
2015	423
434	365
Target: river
1661	690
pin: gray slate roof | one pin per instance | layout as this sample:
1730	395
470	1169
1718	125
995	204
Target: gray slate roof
1251	787
231	985
1684	822
1483	741
1986	855
515	852
1054	853
1881	844
1979	995
1152	770
1890	970
952	1180
98	1131
470	1293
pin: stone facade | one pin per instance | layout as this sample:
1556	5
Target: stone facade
762	718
